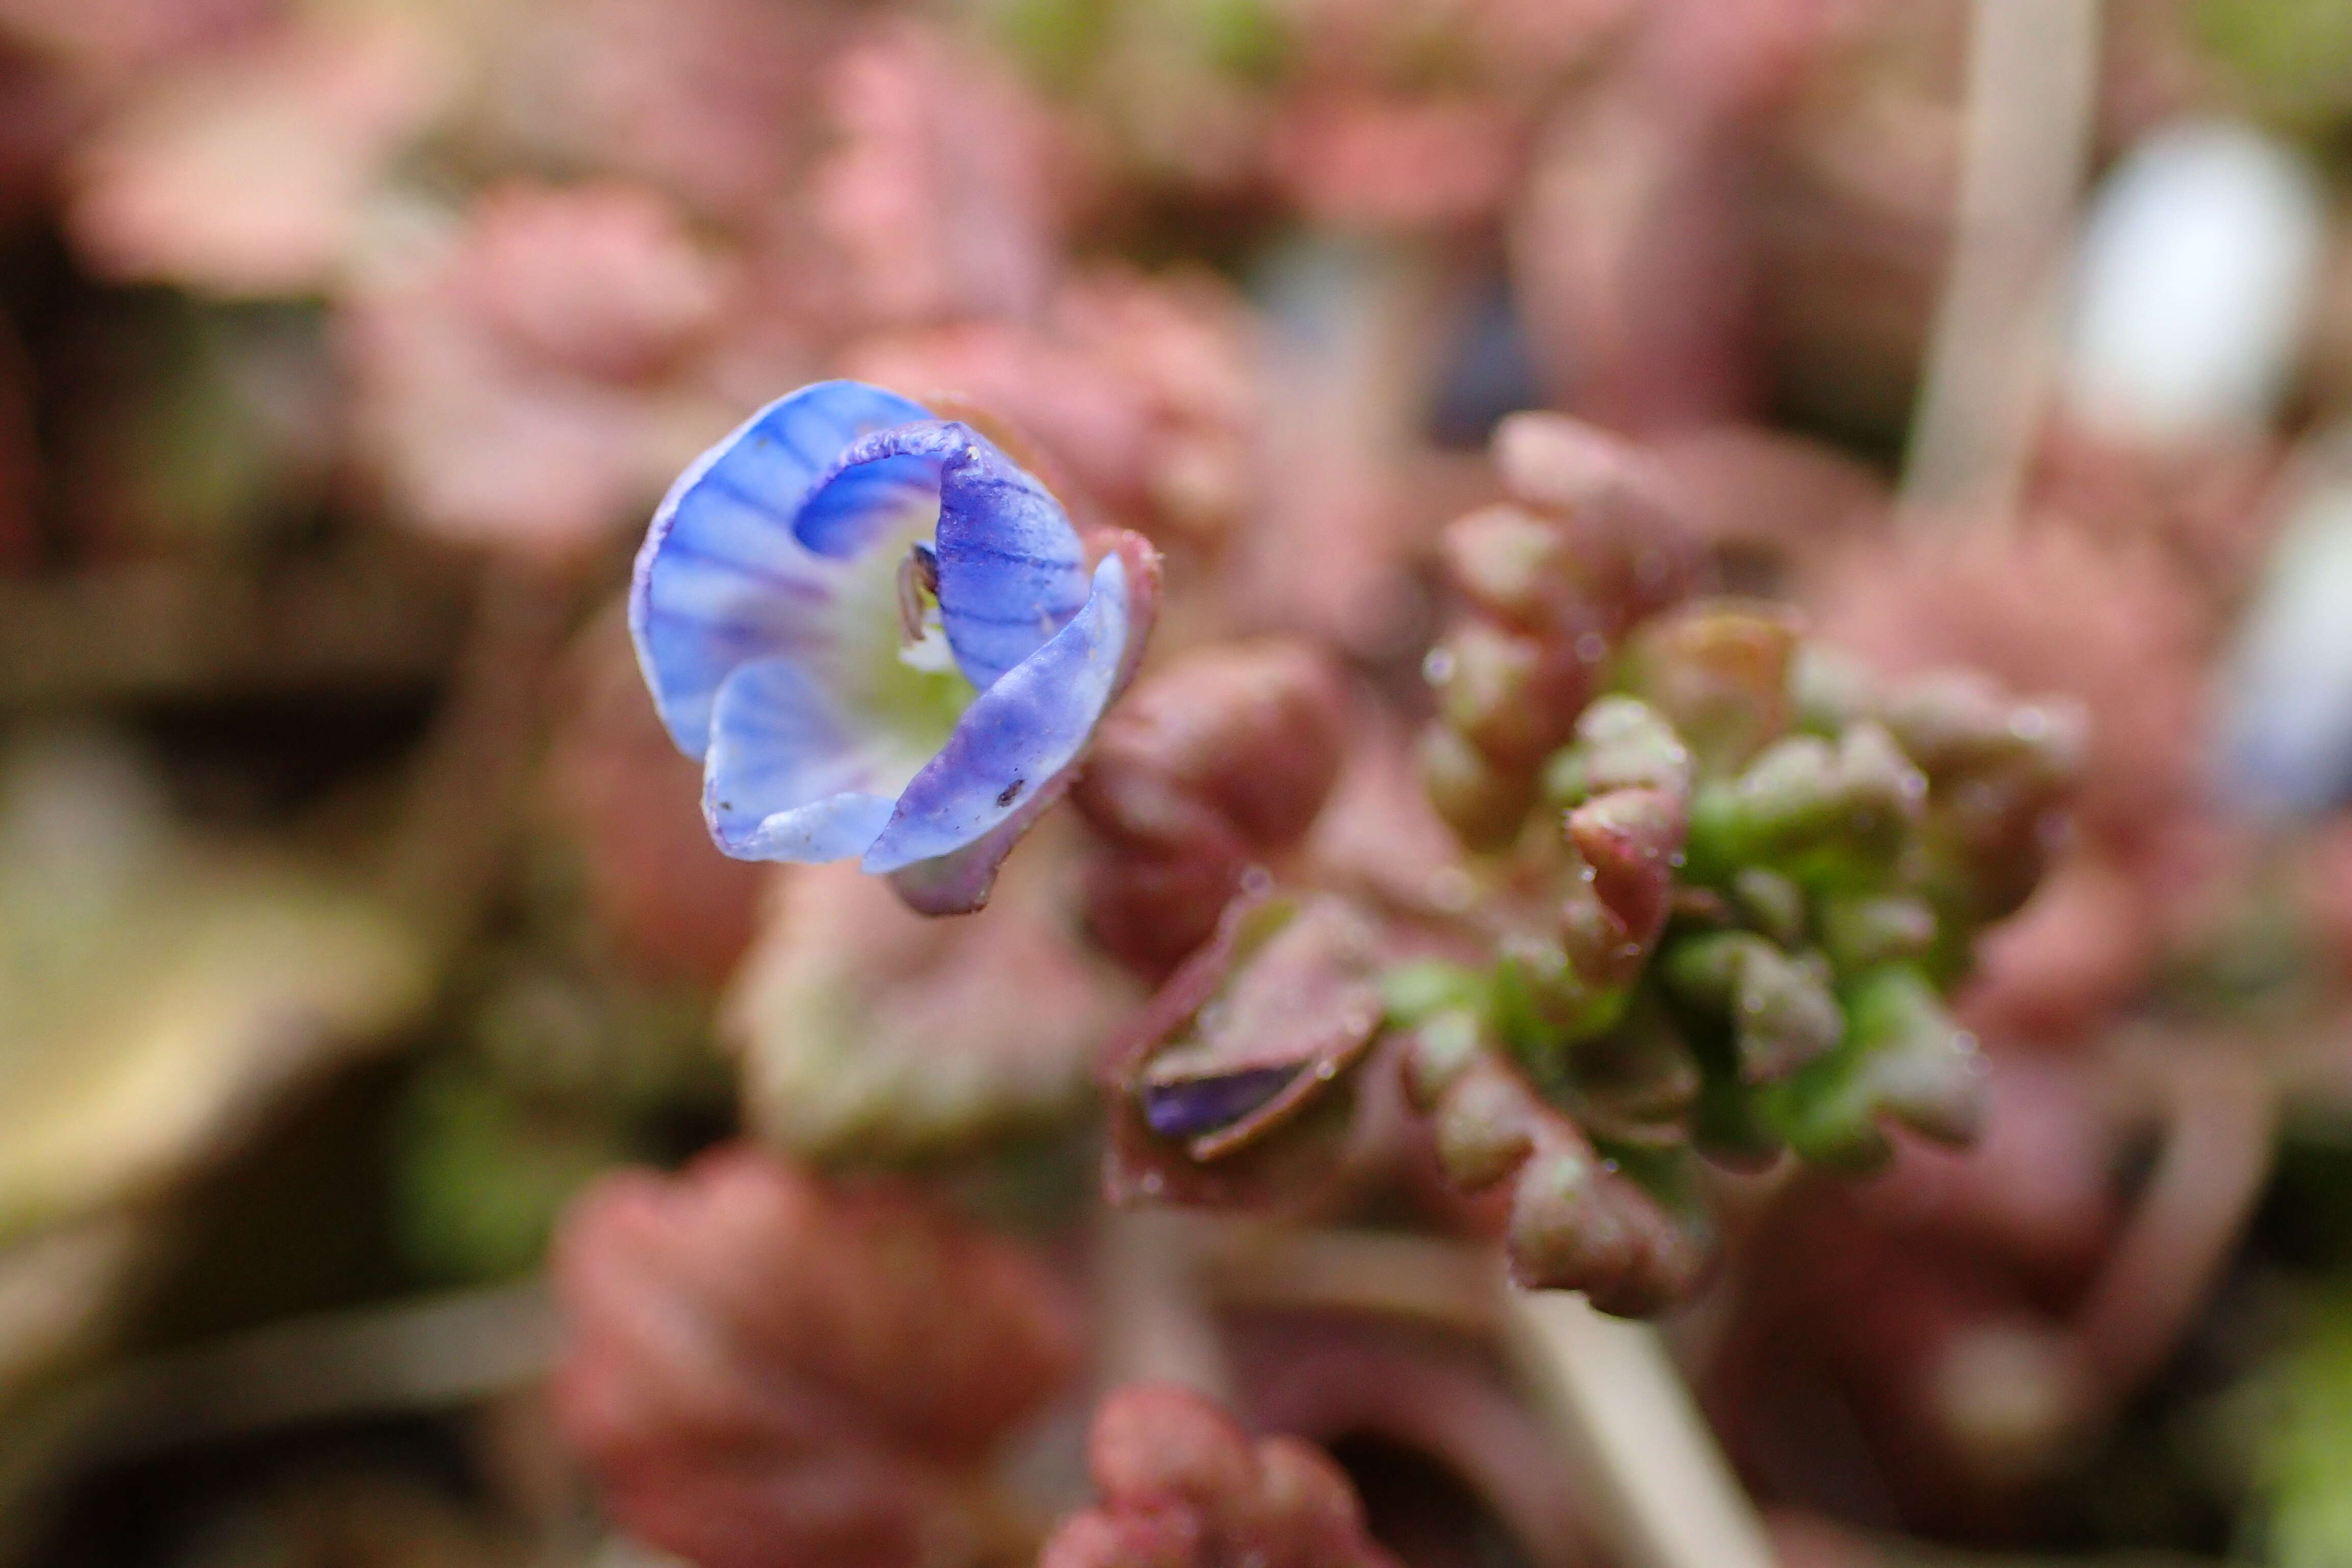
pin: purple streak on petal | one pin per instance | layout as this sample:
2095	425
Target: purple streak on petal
1204	1104
1017	736
788	776
1012	570
721	579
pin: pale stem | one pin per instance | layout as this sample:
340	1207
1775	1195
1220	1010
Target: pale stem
2032	79
1626	1420
1669	1498
1157	1325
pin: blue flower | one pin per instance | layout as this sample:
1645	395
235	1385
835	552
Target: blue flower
880	638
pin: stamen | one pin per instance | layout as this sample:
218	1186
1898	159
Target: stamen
918	589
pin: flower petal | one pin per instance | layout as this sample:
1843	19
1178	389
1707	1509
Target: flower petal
788	776
722	578
857	505
1018	736
1012	569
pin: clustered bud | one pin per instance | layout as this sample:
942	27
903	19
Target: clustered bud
1183	1486
1730	879
1718	881
1552	580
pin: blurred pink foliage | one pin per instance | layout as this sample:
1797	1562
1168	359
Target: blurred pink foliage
1362	161
528	388
1183	1486
673	905
1979	1316
846	998
1634	237
763	1367
1325	1378
247	171
110	38
2209	504
946	190
711	100
1875	1290
1769	501
1142	388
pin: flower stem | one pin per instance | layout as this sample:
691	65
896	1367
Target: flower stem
1668	1498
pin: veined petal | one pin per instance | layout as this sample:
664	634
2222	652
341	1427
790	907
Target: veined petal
1012	569
788	775
1018	735
856	506
723	579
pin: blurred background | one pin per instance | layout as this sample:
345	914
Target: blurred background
355	910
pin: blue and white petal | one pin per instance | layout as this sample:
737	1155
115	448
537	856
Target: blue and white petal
789	775
1018	736
724	577
772	610
856	506
1012	570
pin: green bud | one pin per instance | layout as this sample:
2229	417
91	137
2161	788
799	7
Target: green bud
1718	672
1773	902
1563	1234
1924	1067
1415	990
1631	840
1862	930
1828	816
1483	1126
1881	796
1438	1051
1510	563
1781	1008
1578	1226
1621	742
1830	1115
1636	1084
1542	1000
1830	689
1484	803
1786	799
1903	1056
1512	696
1962	723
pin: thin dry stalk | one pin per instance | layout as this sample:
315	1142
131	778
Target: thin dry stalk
2032	78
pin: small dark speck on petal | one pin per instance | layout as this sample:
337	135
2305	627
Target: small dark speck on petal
1012	792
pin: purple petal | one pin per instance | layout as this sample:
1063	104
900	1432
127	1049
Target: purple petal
1017	737
1012	570
853	506
1204	1104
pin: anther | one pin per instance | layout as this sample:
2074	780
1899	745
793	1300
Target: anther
919	587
